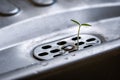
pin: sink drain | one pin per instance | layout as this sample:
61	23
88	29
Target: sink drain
64	46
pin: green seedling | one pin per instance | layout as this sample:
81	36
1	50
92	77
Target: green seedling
78	34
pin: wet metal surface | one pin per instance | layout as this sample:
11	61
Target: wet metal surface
20	39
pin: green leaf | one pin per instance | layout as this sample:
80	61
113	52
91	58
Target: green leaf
85	24
75	21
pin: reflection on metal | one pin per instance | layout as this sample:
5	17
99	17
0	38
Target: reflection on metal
43	2
7	8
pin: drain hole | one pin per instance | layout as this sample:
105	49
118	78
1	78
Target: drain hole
91	39
57	55
62	43
55	51
80	43
43	54
46	47
75	38
87	46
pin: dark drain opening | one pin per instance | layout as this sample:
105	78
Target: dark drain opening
75	38
62	43
43	54
57	55
80	43
55	51
91	39
88	46
46	47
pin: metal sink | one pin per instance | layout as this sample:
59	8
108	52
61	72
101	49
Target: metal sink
20	39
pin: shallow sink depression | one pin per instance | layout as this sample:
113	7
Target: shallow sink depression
32	48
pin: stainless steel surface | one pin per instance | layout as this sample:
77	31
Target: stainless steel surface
51	24
7	8
28	10
43	2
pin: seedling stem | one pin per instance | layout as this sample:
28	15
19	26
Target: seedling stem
78	34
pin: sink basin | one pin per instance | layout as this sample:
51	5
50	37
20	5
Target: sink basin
20	39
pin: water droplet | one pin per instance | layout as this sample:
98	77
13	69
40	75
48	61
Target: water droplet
73	54
66	58
36	72
44	64
32	63
97	41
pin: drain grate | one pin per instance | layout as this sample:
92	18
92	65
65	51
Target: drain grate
65	46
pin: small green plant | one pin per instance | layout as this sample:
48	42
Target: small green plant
78	34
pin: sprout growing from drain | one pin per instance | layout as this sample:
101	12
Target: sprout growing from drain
78	34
